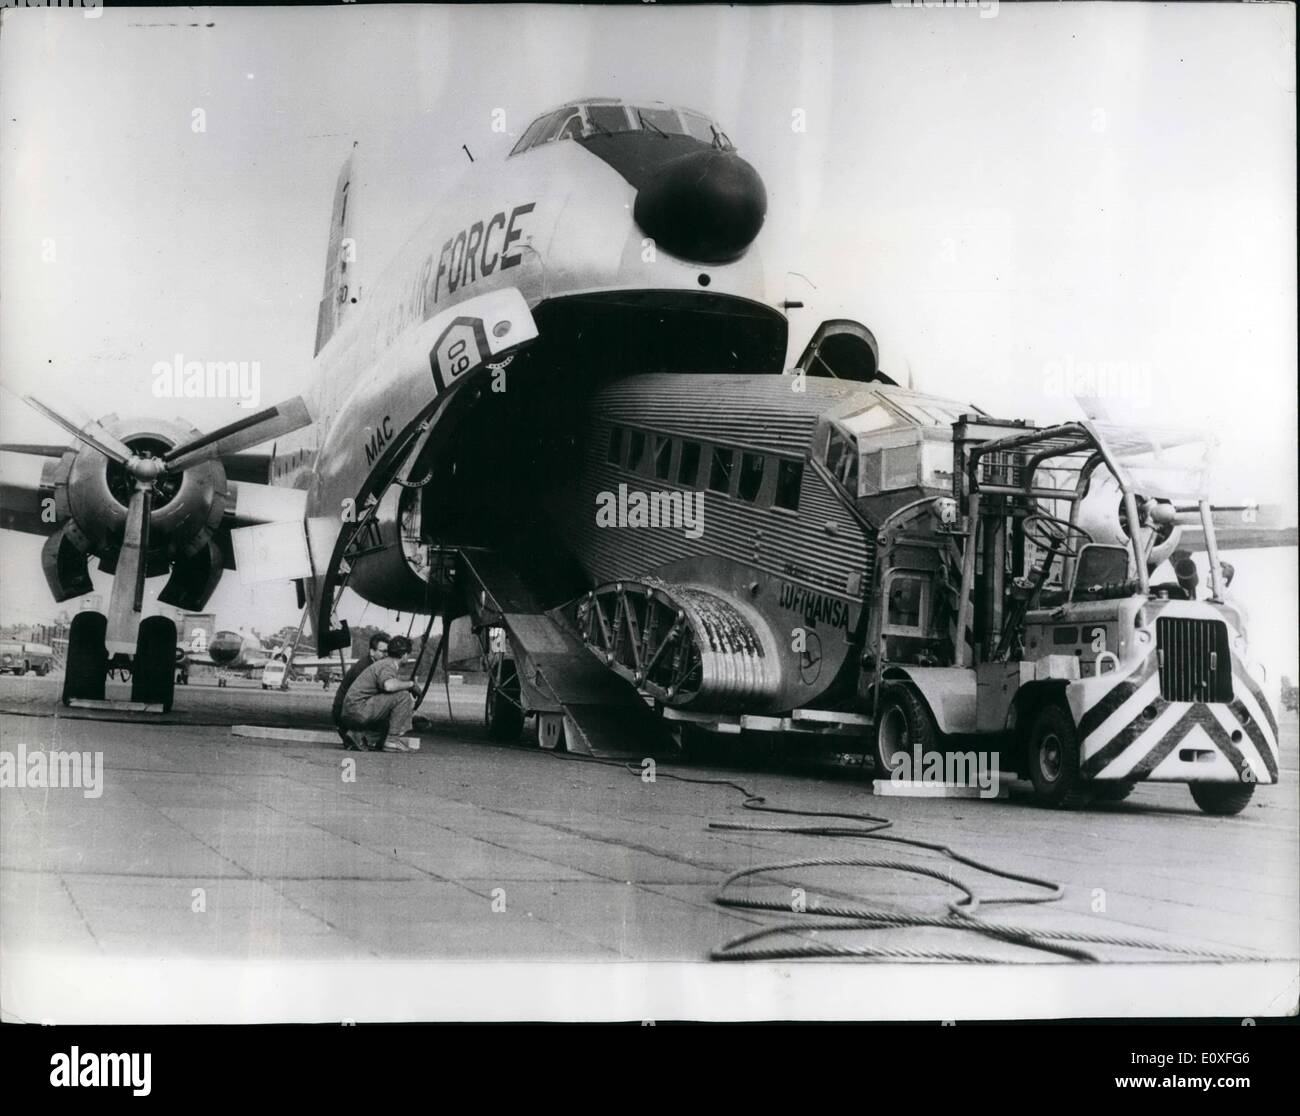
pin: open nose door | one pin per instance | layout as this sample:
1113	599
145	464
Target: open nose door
843	349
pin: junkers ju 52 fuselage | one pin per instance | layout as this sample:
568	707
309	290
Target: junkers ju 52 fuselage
730	523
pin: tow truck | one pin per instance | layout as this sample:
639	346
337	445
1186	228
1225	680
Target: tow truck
997	617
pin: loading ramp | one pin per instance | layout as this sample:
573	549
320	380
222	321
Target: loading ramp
559	678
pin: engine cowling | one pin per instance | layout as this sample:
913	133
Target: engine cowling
1102	516
91	496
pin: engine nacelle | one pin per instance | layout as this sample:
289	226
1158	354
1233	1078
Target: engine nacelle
91	496
1102	516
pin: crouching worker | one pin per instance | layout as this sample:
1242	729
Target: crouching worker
378	650
380	702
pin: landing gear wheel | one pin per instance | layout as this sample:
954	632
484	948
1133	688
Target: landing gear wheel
906	727
1052	751
503	711
1222	799
153	676
692	743
550	732
1111	792
87	668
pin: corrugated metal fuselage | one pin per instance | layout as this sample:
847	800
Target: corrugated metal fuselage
798	572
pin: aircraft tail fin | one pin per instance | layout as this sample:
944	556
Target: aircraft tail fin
340	290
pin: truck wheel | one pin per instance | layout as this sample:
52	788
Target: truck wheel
1112	792
1222	799
906	726
503	711
1052	751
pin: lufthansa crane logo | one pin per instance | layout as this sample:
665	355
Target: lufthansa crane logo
810	659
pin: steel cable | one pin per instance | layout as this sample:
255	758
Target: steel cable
1063	943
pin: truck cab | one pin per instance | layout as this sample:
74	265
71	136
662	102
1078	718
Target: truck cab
999	615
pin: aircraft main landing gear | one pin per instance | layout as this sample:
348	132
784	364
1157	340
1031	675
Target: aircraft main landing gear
153	668
87	667
503	710
153	681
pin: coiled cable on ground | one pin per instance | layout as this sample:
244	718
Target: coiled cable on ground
962	914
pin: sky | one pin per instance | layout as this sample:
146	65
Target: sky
1004	201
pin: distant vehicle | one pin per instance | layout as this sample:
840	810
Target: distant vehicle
1290	696
273	674
20	657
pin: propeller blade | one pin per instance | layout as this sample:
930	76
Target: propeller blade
142	566
127	599
283	418
34	450
130	572
90	432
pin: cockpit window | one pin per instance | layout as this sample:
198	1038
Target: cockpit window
925	410
569	128
608	118
842	460
929	412
701	127
659	119
876	417
534	130
587	119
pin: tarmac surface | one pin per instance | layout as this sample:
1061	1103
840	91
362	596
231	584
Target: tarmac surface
204	845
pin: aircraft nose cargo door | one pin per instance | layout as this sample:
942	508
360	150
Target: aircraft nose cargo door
843	350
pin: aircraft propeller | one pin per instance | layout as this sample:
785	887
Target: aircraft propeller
152	473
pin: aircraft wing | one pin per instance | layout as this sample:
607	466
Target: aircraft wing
1244	526
1241	537
23	489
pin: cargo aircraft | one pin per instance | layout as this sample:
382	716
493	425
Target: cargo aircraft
581	322
615	238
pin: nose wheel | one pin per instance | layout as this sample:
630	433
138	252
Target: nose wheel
503	710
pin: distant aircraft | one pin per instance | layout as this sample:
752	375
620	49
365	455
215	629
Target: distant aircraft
238	653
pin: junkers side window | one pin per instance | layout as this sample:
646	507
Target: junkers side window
688	468
789	479
615	454
751	476
663	456
636	450
720	469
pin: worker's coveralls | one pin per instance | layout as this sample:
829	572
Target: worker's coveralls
367	704
341	694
